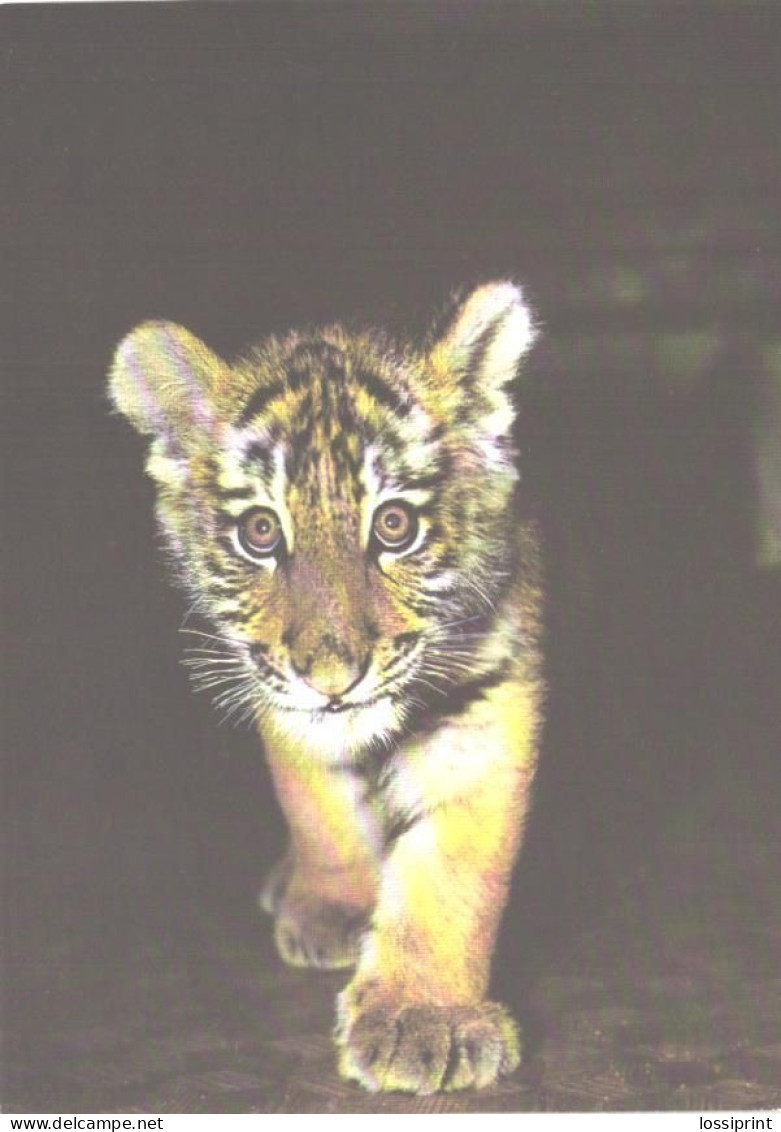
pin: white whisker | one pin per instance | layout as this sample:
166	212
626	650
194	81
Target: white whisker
207	636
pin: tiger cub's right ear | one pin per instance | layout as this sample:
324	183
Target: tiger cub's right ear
162	379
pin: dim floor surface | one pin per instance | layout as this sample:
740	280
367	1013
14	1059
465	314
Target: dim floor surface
671	1001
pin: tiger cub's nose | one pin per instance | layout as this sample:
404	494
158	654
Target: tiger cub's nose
331	675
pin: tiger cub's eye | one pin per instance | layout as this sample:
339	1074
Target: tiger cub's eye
260	532
395	525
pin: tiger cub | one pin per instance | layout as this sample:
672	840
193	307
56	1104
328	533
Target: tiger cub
342	510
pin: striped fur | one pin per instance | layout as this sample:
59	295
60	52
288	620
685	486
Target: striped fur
395	687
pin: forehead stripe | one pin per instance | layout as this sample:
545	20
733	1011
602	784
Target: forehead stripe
259	400
258	453
225	494
383	393
425	483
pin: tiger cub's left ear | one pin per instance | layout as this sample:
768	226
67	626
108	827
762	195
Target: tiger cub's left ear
163	380
479	355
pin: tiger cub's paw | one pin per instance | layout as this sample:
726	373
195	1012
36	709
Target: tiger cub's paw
310	931
422	1049
273	890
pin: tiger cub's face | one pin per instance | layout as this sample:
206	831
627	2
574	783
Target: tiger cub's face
338	508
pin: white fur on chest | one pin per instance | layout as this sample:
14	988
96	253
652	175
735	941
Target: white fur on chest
451	763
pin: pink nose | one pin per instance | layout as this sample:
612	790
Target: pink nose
330	675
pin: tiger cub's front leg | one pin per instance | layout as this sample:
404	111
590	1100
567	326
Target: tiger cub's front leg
415	1017
322	892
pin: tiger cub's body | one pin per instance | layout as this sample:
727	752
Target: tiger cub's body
342	510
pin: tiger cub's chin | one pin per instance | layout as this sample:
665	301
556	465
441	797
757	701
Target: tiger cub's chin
342	509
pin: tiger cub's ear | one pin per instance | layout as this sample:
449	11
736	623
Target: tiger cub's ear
162	380
478	355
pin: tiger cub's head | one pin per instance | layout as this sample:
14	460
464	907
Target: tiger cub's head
338	507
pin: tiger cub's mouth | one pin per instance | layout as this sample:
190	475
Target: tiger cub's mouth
358	698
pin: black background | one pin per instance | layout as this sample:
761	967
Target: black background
245	168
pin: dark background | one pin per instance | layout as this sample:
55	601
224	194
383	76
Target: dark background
245	168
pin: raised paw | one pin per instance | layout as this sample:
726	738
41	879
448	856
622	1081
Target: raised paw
422	1049
313	933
